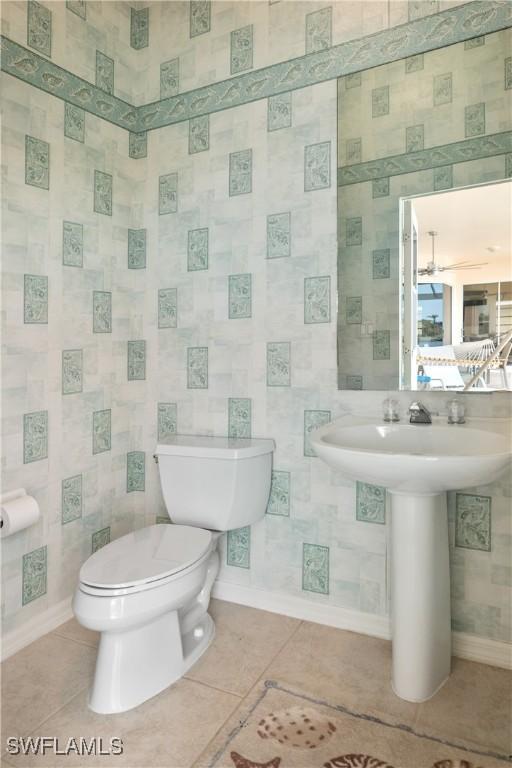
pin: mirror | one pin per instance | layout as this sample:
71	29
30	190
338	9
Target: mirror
412	134
456	322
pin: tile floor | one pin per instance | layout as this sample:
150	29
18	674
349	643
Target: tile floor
44	691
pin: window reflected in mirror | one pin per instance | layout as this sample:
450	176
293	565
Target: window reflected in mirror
456	320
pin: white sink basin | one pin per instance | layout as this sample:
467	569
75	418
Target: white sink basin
417	463
416	458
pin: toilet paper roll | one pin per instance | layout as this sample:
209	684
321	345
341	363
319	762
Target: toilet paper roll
18	514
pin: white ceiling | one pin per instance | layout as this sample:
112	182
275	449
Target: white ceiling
468	222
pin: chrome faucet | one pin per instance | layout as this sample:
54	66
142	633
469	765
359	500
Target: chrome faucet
419	414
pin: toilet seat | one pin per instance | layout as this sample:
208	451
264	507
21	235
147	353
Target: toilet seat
144	558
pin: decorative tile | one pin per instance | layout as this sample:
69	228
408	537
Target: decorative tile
78	7
370	503
508	73
414	138
241	49
72	244
317	166
313	420
198	134
354	310
101	431
381	264
240	296
380	188
35	568
197	367
37	163
473	522
101	312
239	548
279	501
168	308
100	539
137	248
169	78
168	193
353	151
200	17
72	499
50	78
315	568
104	72
279	111
35	436
35	299
414	63
197	249
419	8
508	166
338	61
239	417
74	122
278	364
380	101
442	89
240	172
135	471
138	144
474	119
443	177
354	231
167	420
103	193
139	28
381	345
72	371
278	235
354	382
319	30
39	28
476	42
317	300
136	354
475	148
353	80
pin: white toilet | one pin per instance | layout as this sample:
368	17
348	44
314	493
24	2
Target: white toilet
148	592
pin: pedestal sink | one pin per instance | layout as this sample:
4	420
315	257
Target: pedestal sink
418	463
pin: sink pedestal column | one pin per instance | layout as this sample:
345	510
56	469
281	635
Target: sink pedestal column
420	595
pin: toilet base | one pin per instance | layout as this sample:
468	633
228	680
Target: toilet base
135	665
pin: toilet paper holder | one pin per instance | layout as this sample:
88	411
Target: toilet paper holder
5	497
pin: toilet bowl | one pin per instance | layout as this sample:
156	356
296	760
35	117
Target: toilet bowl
147	592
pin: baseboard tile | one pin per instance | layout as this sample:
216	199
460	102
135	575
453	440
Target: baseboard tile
35	628
465	646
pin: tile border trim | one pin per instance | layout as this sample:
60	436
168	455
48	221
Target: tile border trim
425	159
454	25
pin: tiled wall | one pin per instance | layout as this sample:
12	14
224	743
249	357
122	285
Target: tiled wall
205	303
442	112
67	193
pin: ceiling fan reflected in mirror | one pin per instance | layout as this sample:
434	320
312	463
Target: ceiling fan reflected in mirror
435	269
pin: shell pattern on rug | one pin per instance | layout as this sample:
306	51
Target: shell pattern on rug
299	727
244	762
356	761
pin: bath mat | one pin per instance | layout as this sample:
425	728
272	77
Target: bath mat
282	728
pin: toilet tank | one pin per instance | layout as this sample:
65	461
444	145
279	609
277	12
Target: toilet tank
218	483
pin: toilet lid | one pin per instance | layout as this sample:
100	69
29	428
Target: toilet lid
146	555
